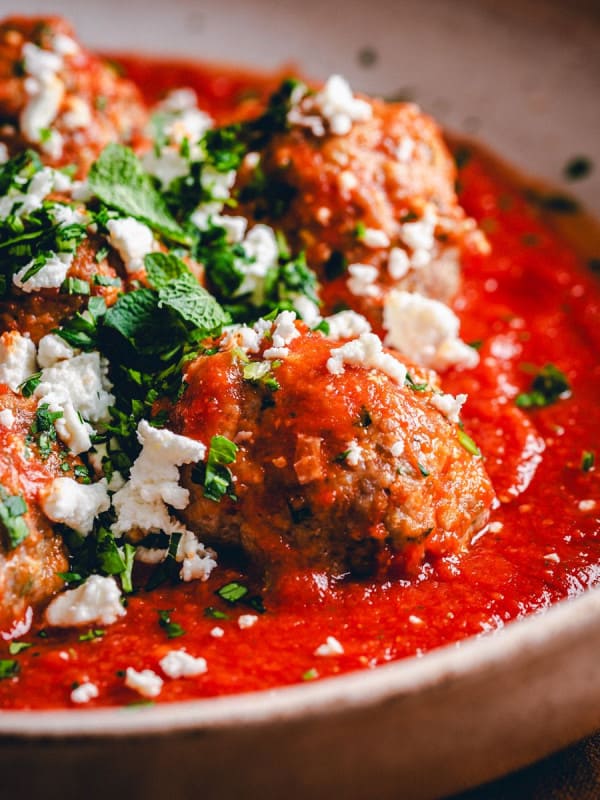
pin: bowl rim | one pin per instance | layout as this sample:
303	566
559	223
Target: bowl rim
518	641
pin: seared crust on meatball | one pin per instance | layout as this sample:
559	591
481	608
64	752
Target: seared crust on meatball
28	571
58	98
344	472
380	196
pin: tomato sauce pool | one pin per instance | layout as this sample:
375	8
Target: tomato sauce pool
532	302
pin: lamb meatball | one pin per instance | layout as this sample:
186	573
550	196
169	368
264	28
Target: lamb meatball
31	553
341	464
60	99
367	193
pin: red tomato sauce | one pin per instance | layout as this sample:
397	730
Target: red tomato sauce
533	301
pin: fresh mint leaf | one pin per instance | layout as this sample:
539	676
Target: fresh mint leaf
12	510
118	179
194	305
163	268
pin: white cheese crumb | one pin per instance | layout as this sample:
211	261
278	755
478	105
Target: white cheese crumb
179	664
449	405
554	558
260	247
38	188
84	693
17	359
7	418
50	276
83	381
146	682
247	621
331	647
334	104
96	600
354	454
363	280
397	448
587	505
398	263
167	165
495	527
217	632
426	331
414	620
405	149
366	352
306	309
419	236
75	504
132	240
197	560
53	348
284	331
375	238
79	114
45	90
347	325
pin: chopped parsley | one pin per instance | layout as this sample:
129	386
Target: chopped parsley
588	459
172	629
468	444
92	634
12	521
14	648
214	613
261	374
28	387
232	592
422	470
549	385
416	387
215	476
310	674
9	668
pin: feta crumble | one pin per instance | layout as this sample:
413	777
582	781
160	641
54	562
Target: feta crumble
331	647
145	682
84	693
426	331
50	276
75	504
398	263
587	505
52	348
283	333
354	454
17	359
217	632
449	405
179	664
247	621
346	325
367	352
46	91
375	238
363	280
7	418
132	240
96	600
334	105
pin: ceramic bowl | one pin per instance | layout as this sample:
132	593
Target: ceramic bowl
523	76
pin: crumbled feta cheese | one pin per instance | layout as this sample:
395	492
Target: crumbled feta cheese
217	632
179	664
363	280
7	418
284	331
22	203
84	693
75	504
179	100
405	149
142	503
247	621
375	238
45	89
235	227
132	240
53	348
218	186
398	263
331	647
17	359
78	116
414	620
449	405
83	381
554	558
64	215
347	325
419	236
426	331
167	165
306	309
397	448
354	454
96	600
495	527
335	104
260	247
64	45
197	560
367	352
587	505
50	276
146	682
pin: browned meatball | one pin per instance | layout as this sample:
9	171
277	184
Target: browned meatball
340	468
28	569
60	99
381	196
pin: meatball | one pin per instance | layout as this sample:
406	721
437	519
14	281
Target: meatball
31	553
373	205
345	466
60	99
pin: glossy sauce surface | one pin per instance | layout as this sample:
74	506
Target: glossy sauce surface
533	301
